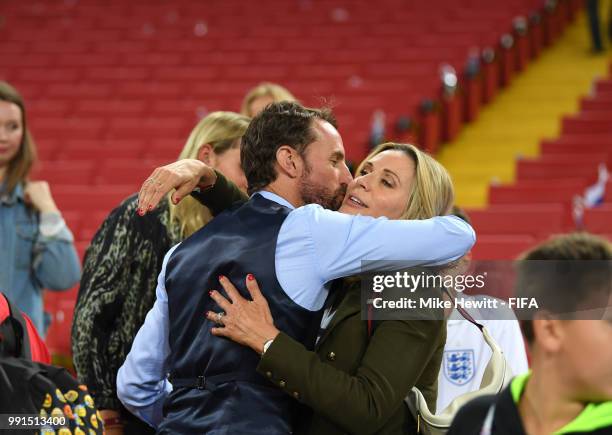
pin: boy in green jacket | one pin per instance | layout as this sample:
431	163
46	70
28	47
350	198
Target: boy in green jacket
569	389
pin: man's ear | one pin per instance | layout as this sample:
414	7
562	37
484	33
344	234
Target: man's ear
289	161
206	154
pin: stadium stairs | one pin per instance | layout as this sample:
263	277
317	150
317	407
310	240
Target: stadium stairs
519	167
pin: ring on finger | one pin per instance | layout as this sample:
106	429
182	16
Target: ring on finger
220	317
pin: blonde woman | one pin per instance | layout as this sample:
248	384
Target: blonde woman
36	246
356	379
121	267
262	95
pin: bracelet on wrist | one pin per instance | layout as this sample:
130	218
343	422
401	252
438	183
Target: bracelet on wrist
266	345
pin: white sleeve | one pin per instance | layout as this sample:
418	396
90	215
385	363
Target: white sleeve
510	340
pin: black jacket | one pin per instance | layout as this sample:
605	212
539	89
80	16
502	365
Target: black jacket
506	421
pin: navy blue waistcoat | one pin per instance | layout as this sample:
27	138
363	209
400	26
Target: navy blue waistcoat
216	387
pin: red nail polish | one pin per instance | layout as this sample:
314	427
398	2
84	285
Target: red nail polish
210	293
150	207
250	277
221	277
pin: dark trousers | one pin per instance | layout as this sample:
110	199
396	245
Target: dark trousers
134	425
593	14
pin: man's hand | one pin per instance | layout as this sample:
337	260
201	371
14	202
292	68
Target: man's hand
184	176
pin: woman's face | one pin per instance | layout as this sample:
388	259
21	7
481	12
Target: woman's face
383	186
11	131
259	104
228	163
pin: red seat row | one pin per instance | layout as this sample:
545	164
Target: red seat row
541	202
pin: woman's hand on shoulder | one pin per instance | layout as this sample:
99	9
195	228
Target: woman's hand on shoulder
183	175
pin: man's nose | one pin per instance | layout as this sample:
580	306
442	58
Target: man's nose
346	177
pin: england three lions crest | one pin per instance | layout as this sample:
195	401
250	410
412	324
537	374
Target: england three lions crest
459	366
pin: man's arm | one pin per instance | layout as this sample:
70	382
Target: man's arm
220	196
340	242
141	382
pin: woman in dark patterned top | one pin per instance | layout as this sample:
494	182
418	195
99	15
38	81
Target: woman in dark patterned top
122	263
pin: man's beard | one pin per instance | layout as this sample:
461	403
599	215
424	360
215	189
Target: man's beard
315	193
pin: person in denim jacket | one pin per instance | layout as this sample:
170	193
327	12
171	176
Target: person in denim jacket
36	246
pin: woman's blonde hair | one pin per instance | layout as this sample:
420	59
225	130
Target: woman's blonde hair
19	167
223	131
265	89
431	193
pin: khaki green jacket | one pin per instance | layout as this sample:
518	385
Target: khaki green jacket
356	384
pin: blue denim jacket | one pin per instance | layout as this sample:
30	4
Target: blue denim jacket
31	261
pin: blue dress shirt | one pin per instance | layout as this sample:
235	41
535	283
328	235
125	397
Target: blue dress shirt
314	247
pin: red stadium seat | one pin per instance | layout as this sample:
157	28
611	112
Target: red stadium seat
535	220
576	146
599	219
56	172
587	124
501	247
603	87
88	199
126	172
553	191
541	169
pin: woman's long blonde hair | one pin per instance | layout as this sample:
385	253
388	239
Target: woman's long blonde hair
431	193
223	131
19	167
265	89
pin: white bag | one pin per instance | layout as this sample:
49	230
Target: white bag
496	376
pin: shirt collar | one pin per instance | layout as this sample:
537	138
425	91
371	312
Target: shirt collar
13	197
274	197
594	415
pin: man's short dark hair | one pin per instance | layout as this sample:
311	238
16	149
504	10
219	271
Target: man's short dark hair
577	269
284	123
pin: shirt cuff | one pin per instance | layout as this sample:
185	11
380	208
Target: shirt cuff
51	224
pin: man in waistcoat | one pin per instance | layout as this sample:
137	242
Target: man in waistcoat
293	159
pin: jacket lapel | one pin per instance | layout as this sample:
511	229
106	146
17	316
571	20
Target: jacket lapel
348	306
